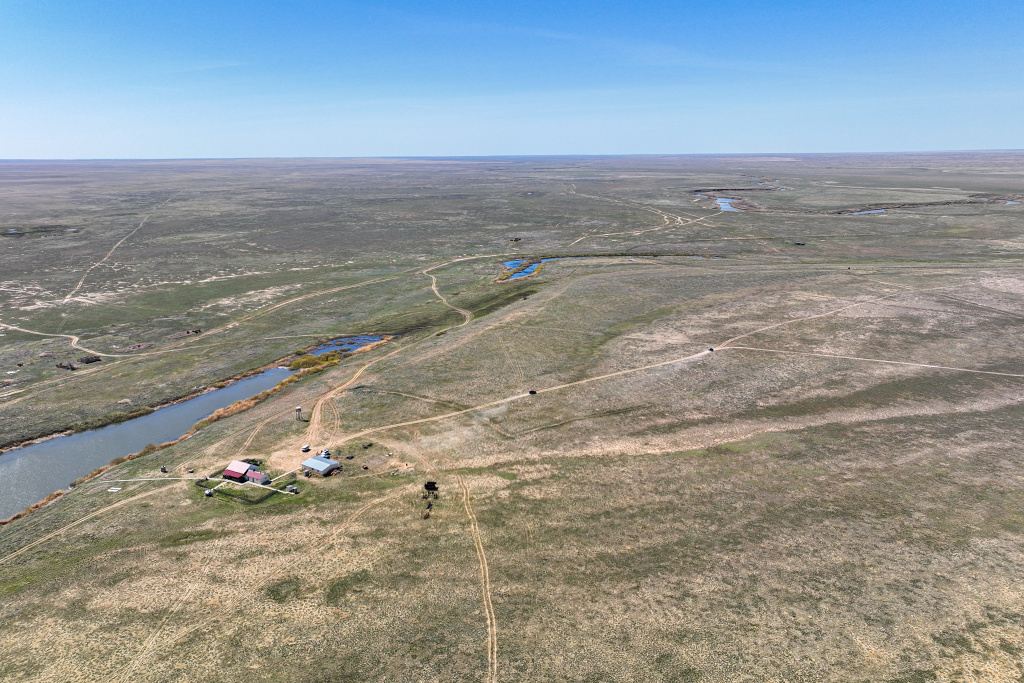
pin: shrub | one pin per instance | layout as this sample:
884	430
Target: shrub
283	590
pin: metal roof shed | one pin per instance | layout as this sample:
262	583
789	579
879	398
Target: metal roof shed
230	473
320	465
257	477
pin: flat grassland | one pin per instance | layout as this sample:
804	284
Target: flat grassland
834	493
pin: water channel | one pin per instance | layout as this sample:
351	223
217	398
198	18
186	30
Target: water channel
29	474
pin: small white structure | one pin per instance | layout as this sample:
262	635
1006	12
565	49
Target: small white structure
320	465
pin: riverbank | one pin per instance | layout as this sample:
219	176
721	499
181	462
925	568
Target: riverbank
54	461
121	417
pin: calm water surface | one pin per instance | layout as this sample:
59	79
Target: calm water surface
525	272
347	343
27	475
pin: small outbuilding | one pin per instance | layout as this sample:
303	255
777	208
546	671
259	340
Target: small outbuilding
257	477
321	465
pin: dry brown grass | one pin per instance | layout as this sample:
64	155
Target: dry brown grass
805	513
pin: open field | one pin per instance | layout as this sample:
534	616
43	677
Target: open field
834	493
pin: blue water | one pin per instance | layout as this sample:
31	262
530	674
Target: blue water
725	205
1009	203
861	213
525	272
351	343
29	474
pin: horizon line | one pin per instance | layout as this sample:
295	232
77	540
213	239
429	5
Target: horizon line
509	156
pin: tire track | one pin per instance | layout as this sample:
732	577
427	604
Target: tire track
147	646
666	217
872	360
74	340
467	315
270	572
80	520
485	586
114	248
517	397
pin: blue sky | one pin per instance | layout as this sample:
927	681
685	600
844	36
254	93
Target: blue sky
253	79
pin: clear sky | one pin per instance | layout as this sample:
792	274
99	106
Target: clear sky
147	79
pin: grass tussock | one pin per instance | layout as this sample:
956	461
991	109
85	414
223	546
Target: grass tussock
307	361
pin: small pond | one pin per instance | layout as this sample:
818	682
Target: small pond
726	204
525	272
29	474
348	343
864	213
1010	203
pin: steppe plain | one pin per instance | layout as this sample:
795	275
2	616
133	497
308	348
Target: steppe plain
835	493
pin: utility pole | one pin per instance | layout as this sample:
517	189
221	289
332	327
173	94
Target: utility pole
298	412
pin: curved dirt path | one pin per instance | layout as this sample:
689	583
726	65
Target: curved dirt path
517	397
72	338
57	382
666	217
620	373
317	431
49	385
467	315
485	586
114	248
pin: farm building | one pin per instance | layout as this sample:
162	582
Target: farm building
320	465
236	470
257	477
